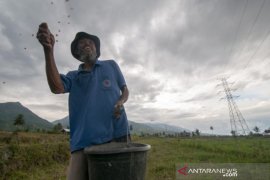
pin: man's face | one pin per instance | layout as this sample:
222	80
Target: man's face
87	50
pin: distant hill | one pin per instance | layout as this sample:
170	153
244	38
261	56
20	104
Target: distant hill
138	128
167	128
10	110
64	121
151	128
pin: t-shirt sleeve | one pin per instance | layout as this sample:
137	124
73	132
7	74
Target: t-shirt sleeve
119	76
67	81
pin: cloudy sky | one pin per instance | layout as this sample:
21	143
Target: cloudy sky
172	54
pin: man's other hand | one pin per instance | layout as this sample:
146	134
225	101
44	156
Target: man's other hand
118	108
45	37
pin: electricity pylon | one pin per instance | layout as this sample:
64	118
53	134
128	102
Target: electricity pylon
238	122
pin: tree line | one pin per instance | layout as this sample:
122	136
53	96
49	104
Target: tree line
19	123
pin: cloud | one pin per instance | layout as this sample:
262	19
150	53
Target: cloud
170	52
200	97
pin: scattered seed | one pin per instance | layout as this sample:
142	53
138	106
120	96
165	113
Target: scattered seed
25	48
56	35
56	40
68	16
59	22
52	3
59	30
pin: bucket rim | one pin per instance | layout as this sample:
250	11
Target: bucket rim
116	147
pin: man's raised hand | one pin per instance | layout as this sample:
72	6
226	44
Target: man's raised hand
45	37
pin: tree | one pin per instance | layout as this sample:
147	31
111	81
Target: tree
58	127
197	132
267	130
233	133
211	128
256	129
19	121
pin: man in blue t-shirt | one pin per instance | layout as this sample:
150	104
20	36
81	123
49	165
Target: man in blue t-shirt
97	92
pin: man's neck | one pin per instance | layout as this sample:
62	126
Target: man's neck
87	66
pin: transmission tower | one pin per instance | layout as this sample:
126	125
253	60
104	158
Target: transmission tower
238	123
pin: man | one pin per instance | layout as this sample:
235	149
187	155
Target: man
96	111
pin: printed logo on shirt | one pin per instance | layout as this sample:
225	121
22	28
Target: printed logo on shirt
106	83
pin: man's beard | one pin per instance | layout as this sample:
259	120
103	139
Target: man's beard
88	57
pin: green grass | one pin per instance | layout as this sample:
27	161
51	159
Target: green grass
33	156
54	171
167	152
45	156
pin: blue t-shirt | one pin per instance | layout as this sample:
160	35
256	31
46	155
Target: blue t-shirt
92	96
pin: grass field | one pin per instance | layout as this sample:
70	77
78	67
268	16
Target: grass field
166	153
45	156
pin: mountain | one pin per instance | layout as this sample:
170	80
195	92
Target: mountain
138	128
64	121
167	128
10	110
151	128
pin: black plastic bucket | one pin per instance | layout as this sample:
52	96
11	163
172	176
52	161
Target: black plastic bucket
117	161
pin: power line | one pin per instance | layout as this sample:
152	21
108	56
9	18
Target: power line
261	43
190	51
258	47
252	27
238	28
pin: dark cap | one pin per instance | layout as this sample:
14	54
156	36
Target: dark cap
81	35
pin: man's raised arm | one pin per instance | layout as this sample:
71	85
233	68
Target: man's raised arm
47	40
